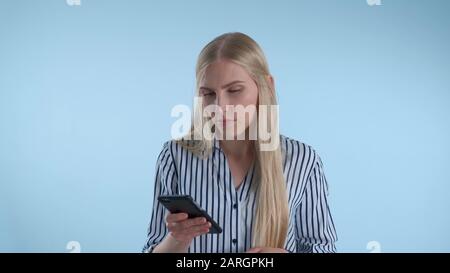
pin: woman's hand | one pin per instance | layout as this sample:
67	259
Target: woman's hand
183	229
181	232
266	250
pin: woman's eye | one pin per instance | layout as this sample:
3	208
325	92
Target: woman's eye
209	94
234	90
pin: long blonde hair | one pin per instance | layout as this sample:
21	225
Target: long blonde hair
272	214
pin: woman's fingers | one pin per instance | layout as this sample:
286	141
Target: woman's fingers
254	250
267	250
192	222
179	225
184	229
183	224
176	217
201	228
183	219
189	227
190	233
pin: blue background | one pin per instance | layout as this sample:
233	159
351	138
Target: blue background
86	93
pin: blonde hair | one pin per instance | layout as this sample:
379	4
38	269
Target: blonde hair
271	223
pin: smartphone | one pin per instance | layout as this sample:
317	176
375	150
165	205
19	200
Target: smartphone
185	203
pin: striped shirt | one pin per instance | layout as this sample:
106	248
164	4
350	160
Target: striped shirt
210	183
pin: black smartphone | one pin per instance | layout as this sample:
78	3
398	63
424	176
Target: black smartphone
185	203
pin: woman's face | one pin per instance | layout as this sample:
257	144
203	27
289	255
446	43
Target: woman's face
228	84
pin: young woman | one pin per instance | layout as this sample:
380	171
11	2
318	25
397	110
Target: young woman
265	200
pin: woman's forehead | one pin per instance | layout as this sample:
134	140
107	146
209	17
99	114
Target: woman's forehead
222	72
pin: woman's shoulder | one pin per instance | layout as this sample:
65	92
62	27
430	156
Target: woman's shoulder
294	150
176	148
170	147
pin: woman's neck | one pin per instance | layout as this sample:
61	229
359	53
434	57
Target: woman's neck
242	149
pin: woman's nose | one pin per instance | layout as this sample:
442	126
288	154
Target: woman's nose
222	102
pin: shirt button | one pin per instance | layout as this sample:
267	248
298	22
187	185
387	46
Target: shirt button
235	206
234	241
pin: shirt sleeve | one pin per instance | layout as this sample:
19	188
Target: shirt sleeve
315	230
165	183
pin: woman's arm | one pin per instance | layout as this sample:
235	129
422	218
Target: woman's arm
165	171
314	224
172	233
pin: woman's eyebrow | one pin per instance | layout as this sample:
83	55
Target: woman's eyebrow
231	83
206	89
224	86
